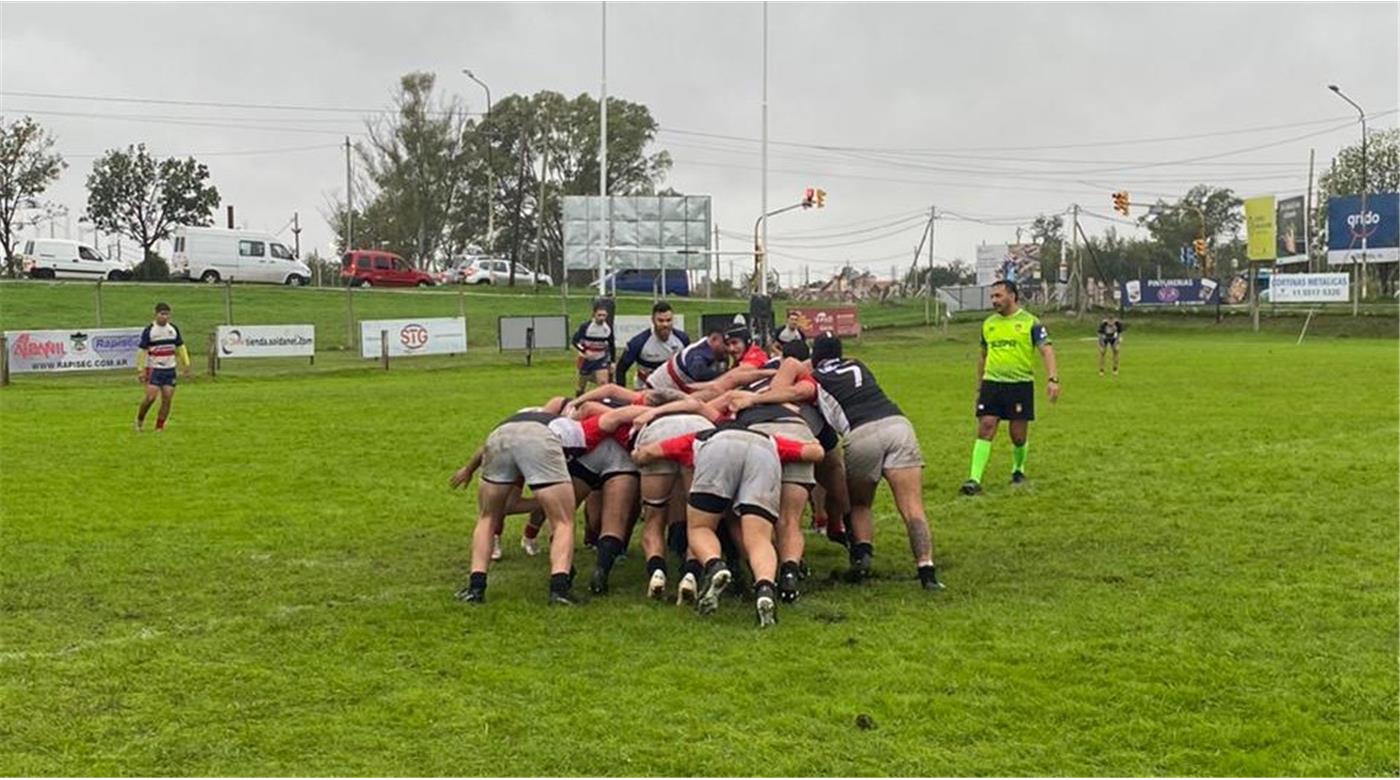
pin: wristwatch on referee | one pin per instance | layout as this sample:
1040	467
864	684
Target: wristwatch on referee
1052	380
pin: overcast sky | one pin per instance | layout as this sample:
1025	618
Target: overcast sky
995	111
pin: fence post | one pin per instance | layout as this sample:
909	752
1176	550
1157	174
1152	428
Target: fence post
213	351
529	345
4	360
384	348
99	303
228	301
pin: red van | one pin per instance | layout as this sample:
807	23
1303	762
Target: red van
372	268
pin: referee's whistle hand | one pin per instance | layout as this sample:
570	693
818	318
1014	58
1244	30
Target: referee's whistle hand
1052	390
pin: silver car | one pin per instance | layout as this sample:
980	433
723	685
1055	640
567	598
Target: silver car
492	270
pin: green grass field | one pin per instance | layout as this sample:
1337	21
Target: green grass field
1201	578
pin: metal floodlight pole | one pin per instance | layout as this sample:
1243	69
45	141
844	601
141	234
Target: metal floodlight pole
603	157
490	168
763	206
1356	293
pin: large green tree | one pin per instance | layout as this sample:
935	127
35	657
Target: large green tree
132	193
27	168
542	148
415	160
1212	211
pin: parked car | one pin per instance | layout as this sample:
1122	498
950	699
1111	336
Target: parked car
647	280
375	268
58	258
213	255
493	270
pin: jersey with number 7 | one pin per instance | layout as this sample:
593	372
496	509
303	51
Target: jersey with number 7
849	396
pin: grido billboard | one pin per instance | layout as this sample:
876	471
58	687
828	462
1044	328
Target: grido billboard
1353	232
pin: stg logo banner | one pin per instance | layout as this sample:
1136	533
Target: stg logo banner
1378	226
427	336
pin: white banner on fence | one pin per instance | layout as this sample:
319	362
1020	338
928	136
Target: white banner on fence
254	341
625	326
96	349
428	336
1309	288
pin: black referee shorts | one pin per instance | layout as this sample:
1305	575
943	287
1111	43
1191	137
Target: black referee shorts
1007	400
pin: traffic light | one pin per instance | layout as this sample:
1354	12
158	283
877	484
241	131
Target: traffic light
821	198
808	196
1120	203
1200	246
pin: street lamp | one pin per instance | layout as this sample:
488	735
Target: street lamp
1356	294
490	167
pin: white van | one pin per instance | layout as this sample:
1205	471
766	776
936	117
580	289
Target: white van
60	258
214	254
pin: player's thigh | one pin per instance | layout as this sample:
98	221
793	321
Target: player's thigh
907	486
987	426
557	502
167	392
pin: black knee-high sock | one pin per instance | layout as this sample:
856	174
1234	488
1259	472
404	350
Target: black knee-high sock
692	567
656	563
609	547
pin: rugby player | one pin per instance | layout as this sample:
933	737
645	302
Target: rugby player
650	349
1006	381
160	347
879	442
596	349
534	446
1110	333
738	470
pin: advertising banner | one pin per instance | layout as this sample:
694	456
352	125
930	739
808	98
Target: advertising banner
1260	228
97	349
427	336
841	320
1379	227
549	331
255	341
1310	288
1169	292
1292	246
625	326
1019	263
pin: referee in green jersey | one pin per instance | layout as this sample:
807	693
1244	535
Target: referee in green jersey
1006	381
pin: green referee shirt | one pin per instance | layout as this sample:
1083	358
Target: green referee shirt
1010	344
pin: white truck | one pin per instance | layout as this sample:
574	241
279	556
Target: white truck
213	255
61	258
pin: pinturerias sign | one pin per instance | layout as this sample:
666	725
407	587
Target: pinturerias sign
38	351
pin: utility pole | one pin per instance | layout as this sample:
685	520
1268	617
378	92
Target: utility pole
349	201
928	294
539	215
763	255
1307	212
1080	289
603	160
296	235
712	265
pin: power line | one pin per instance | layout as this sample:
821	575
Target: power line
1080	145
215	104
192	123
240	152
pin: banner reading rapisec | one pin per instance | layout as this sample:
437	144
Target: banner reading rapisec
96	349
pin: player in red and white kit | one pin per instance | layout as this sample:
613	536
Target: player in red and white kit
740	471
